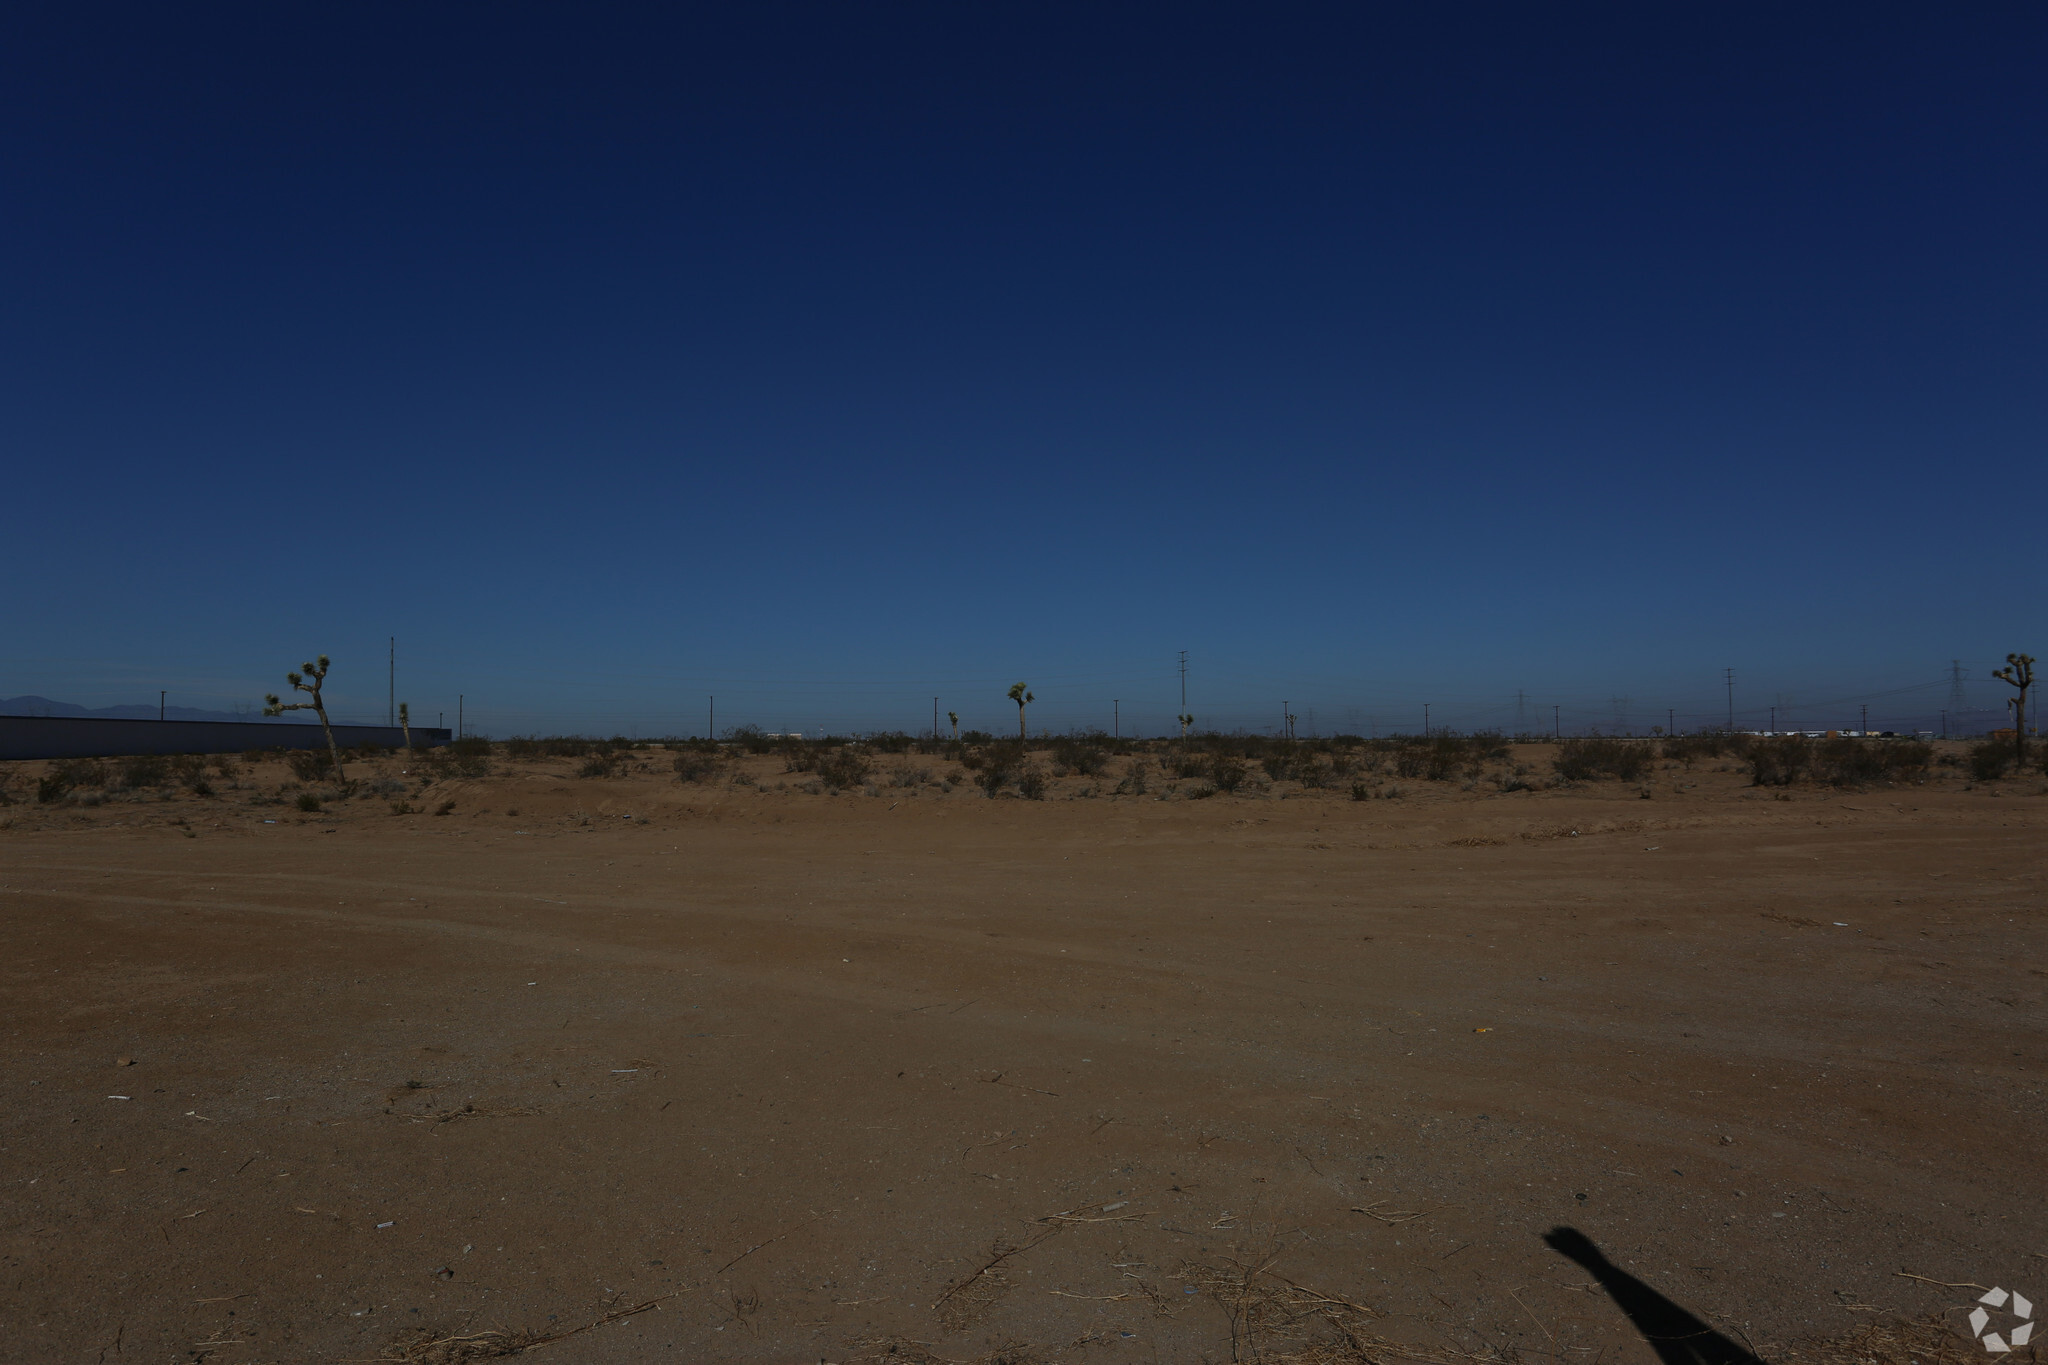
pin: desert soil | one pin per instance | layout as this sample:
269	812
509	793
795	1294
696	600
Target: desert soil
798	1070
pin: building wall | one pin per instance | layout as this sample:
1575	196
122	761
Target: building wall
99	737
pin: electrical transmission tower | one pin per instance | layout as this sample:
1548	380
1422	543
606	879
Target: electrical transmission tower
1521	712
1956	700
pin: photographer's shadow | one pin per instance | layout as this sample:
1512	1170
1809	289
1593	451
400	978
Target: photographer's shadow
1678	1337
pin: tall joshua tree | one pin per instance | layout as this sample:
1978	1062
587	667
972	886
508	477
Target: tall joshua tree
315	675
1021	694
954	716
2018	672
405	722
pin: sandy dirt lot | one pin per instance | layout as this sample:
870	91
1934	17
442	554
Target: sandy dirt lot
921	1074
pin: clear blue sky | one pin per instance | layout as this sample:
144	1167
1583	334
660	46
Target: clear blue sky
830	357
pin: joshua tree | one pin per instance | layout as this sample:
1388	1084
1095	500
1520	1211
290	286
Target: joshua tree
1021	694
1185	722
405	722
2018	672
315	675
954	716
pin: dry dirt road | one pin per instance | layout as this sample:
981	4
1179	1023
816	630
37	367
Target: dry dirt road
825	1078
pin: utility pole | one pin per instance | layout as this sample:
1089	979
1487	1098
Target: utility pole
1116	719
459	699
1556	725
1521	711
1774	720
711	719
391	706
1670	721
1730	674
160	705
1425	720
935	720
1866	719
1183	681
1944	725
1286	722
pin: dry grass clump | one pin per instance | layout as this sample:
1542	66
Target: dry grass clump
1895	1341
424	1348
1276	1320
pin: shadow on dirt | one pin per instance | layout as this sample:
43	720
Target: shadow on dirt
1678	1337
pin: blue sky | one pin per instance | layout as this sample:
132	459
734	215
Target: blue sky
829	358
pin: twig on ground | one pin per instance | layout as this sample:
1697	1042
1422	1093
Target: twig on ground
991	1263
1965	1284
772	1240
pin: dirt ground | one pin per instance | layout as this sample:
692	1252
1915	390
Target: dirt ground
923	1075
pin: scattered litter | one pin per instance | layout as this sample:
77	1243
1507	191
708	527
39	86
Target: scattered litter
124	1061
533	983
624	1070
392	1224
1190	1290
1482	1030
120	1097
1841	924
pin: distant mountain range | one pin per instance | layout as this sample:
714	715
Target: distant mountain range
43	706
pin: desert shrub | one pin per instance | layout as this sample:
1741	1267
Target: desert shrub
225	765
145	770
751	738
889	742
842	767
1075	755
310	765
1189	764
1316	772
308	802
976	737
1031	782
1989	759
1581	759
1227	772
1137	776
908	775
997	764
1780	760
1361	791
190	770
1690	749
1846	762
604	764
79	772
694	766
470	757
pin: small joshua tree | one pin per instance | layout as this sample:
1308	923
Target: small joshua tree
405	722
1185	722
1021	694
954	716
315	675
2018	672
